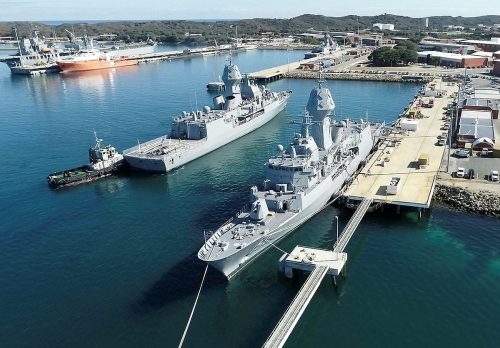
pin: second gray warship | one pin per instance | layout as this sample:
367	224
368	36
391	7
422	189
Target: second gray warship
244	107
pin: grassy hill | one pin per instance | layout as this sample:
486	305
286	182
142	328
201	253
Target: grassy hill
174	30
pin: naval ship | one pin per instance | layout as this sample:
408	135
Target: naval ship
301	180
244	107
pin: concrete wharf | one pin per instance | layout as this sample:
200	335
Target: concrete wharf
398	157
319	262
277	72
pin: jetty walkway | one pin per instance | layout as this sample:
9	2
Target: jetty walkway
319	262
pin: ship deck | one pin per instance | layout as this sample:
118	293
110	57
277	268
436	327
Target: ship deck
243	231
398	156
162	146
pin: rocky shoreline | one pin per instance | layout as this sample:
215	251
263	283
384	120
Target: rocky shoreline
359	76
460	198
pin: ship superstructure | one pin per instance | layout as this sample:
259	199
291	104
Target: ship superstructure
243	107
328	46
301	180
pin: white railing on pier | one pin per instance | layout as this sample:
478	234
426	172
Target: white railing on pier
292	315
351	226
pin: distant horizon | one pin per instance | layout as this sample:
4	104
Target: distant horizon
157	10
95	21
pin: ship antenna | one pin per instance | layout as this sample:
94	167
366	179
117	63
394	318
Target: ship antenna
306	123
18	43
320	75
97	141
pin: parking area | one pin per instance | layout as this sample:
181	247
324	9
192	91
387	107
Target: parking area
481	165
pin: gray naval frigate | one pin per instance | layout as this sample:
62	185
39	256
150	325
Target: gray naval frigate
243	108
301	180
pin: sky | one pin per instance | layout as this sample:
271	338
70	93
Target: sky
26	10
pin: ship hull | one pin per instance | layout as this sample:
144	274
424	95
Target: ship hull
199	147
73	66
316	200
81	175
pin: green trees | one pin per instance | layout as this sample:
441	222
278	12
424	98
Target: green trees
403	53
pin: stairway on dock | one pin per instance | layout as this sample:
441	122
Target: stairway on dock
320	263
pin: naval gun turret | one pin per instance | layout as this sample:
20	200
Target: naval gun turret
319	107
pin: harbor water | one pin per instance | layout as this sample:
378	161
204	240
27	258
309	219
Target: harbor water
113	263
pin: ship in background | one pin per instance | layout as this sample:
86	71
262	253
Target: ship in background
38	55
301	179
244	107
329	46
115	49
35	55
92	59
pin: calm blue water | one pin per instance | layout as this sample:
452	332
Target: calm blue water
112	263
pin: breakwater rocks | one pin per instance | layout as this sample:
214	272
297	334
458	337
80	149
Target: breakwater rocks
460	198
360	76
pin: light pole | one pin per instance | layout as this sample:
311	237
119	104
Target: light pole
337	220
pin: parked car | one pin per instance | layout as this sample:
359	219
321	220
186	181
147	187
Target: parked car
461	153
460	172
472	174
441	141
485	153
494	175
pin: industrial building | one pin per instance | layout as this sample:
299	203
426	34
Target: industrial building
480	104
453	60
489	46
496	63
479	126
446	46
476	128
384	26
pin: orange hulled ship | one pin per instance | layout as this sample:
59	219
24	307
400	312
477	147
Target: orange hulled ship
92	60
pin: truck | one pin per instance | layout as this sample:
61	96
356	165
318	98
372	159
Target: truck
494	175
394	186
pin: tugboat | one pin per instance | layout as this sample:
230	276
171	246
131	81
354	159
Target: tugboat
104	161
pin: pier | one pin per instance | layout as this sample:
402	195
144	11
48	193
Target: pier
277	72
411	157
319	262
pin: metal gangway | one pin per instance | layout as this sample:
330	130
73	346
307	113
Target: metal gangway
351	226
286	324
292	315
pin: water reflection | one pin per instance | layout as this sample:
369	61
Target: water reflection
41	88
93	81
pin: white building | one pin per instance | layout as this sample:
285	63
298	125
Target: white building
383	26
